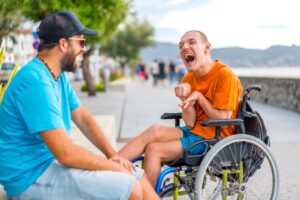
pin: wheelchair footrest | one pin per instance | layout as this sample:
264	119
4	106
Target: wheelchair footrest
167	190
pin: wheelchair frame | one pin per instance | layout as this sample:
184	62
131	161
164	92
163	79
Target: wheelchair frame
222	160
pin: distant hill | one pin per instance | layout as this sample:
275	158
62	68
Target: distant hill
233	56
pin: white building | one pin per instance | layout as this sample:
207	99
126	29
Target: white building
22	50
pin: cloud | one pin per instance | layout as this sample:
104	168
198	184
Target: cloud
274	26
247	23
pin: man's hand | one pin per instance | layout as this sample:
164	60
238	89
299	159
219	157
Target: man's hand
183	90
124	162
190	100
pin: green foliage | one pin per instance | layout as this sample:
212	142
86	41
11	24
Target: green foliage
116	75
125	46
100	87
10	17
101	15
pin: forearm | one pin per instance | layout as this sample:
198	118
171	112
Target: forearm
74	156
81	158
93	132
211	112
89	127
189	116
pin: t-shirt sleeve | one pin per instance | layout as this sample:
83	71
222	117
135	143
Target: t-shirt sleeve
226	93
38	106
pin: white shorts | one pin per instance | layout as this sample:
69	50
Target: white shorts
62	183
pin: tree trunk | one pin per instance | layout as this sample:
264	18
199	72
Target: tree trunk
87	73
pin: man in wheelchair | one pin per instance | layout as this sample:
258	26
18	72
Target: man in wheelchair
210	90
206	163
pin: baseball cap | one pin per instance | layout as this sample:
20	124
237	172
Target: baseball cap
61	24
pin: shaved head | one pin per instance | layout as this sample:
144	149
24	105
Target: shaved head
203	37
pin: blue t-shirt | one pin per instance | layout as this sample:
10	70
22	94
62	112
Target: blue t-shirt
34	102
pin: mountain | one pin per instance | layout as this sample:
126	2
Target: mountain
234	56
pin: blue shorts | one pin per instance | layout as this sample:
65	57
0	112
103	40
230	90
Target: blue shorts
62	183
189	138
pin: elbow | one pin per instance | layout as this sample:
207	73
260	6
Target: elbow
225	115
64	158
190	124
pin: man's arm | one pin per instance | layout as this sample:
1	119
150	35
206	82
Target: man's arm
207	107
74	156
182	91
189	116
89	127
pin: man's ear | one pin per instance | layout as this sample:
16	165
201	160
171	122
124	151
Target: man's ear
63	44
207	47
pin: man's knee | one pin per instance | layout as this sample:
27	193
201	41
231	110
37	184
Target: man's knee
137	191
152	150
155	132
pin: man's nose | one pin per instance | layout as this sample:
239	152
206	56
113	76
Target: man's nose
185	46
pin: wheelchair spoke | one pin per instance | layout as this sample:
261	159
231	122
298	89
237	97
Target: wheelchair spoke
246	166
255	165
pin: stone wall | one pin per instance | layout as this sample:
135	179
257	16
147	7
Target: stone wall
280	92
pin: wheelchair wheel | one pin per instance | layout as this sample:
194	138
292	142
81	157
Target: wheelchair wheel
245	167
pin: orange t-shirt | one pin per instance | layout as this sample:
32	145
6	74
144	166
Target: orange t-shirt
223	89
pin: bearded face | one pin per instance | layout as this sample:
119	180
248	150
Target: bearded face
68	62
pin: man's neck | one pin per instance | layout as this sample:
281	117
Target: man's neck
205	68
52	62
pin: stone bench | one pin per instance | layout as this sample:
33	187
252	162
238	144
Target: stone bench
107	124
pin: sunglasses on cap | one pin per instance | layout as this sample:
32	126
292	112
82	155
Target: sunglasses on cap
81	41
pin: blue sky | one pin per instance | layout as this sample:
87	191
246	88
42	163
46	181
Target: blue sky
242	23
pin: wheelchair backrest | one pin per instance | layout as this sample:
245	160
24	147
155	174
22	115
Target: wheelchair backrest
253	122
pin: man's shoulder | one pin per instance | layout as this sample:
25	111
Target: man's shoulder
224	69
31	72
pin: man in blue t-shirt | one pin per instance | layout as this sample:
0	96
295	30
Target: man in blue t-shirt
37	158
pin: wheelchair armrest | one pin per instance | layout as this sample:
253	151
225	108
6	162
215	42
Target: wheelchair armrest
223	122
171	116
218	123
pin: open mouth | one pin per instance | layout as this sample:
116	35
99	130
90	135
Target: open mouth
189	58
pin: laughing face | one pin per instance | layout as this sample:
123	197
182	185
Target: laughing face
70	60
192	50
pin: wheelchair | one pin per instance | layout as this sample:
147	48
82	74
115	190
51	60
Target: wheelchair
240	166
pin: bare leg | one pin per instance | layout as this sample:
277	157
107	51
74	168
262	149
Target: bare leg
148	191
137	145
159	152
136	192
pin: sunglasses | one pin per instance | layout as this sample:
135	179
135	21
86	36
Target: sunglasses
81	41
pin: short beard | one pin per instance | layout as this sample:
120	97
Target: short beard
68	63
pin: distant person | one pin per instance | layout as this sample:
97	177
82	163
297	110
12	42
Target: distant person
142	71
210	90
155	71
172	72
37	158
181	73
162	71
